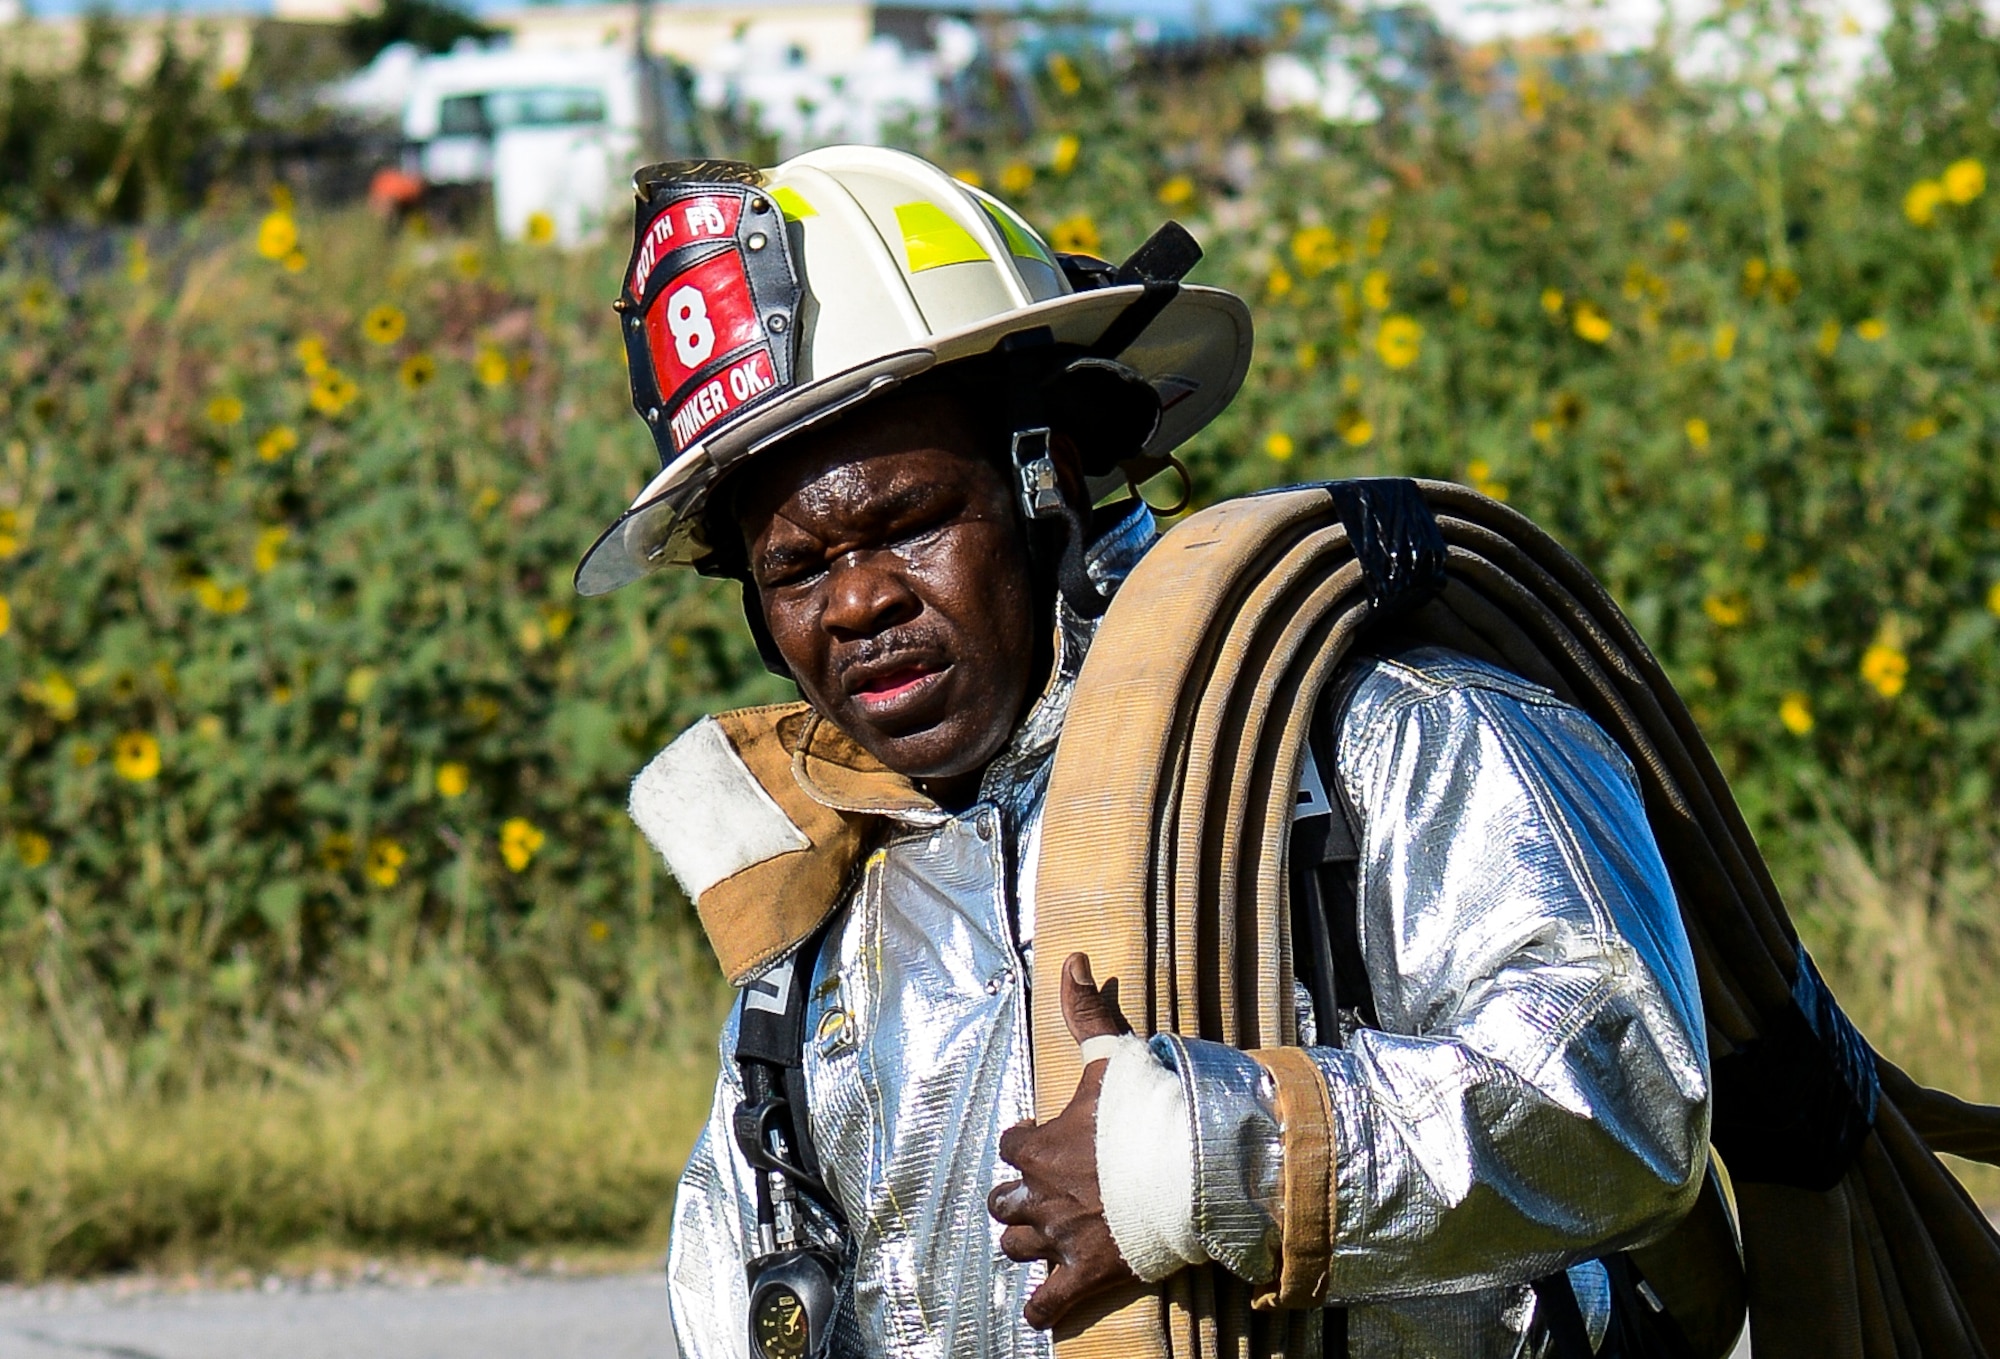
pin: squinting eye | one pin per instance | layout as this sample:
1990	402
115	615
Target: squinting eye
923	536
787	577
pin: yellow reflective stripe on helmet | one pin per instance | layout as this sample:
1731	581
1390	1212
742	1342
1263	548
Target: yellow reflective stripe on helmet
793	204
933	239
1020	240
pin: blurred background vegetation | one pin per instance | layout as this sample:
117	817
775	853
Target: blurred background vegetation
320	916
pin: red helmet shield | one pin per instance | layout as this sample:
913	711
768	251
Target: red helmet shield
710	299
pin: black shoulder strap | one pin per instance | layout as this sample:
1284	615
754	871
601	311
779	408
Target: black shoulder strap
1326	853
1395	538
1326	945
770	1053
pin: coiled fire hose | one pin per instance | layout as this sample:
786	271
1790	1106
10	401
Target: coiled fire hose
1164	858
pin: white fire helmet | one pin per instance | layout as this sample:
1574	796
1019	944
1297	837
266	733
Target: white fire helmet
759	303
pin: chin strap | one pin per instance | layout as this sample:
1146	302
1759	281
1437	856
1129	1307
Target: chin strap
760	631
1056	533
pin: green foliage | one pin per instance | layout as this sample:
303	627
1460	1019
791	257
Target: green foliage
1712	353
312	754
1732	342
91	139
432	25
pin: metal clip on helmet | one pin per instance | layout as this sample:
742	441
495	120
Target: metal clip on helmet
761	303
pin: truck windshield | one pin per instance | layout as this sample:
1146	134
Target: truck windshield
463	115
481	115
544	107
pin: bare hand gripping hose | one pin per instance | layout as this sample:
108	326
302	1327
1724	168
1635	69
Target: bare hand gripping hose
1163	857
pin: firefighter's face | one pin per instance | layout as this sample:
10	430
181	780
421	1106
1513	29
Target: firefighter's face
894	575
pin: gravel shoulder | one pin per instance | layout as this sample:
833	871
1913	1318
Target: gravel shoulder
617	1317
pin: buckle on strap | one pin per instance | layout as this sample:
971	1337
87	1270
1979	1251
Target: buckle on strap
1041	495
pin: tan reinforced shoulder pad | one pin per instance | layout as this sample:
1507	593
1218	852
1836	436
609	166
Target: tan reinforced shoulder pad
1305	1118
765	862
836	772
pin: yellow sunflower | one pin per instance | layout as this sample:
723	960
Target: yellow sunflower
519	839
136	757
1076	235
1399	341
277	441
1963	180
1885	668
1063	159
31	848
277	236
384	324
385	862
1795	714
453	779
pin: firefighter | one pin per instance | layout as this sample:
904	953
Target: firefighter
914	434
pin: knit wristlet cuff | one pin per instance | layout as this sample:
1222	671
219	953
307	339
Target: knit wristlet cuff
1145	1159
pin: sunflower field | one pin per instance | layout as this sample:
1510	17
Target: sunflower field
314	766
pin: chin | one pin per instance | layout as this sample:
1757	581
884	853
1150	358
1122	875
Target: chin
939	752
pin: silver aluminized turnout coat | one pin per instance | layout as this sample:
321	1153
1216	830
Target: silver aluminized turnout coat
1536	1095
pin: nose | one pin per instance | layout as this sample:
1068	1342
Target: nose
865	598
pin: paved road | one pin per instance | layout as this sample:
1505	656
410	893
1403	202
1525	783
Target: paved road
616	1318
622	1317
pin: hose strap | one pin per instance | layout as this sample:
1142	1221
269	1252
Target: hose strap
1395	537
1793	1106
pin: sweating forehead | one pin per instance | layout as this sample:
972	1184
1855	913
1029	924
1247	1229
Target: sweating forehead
864	464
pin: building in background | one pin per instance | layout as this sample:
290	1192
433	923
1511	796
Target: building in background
545	119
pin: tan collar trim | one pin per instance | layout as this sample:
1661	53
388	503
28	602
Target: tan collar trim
834	771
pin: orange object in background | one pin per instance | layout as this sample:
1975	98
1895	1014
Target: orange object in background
392	191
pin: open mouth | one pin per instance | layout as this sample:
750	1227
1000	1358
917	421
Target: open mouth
894	684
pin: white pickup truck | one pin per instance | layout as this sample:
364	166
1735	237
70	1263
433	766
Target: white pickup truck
553	134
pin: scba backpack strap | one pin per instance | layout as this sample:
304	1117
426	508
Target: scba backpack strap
793	1278
770	1054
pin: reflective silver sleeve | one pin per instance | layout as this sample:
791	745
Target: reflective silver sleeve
1538	1091
714	1231
1238	1163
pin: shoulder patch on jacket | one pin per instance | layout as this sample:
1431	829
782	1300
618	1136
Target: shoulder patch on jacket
764	861
706	813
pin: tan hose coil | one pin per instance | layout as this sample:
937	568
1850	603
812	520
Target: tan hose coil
1163	858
